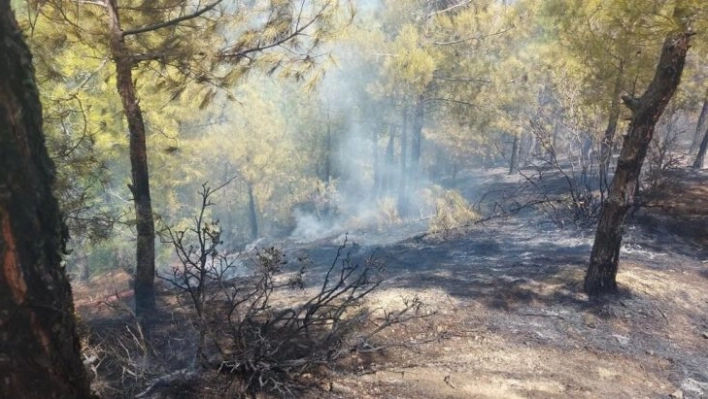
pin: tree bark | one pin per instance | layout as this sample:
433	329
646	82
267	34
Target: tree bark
40	354
84	271
378	175
417	141
701	156
145	225
646	110
252	213
402	184
513	160
389	164
699	124
328	151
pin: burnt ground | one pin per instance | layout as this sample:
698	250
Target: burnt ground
514	320
507	318
509	300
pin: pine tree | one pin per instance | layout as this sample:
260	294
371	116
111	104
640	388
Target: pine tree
646	110
180	43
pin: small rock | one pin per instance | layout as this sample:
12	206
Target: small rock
705	334
589	320
678	394
622	340
650	352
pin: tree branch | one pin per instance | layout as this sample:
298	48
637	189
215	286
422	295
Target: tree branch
631	102
467	39
451	100
449	8
172	21
99	3
260	47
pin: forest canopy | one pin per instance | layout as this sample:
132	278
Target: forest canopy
330	115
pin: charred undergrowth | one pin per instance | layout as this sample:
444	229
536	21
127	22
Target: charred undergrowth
253	322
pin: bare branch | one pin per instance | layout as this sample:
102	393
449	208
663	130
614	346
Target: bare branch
451	100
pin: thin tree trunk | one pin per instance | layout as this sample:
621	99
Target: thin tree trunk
328	151
699	125
376	160
551	151
609	137
389	169
40	354
602	272
402	184
83	262
701	156
417	141
514	154
145	225
252	213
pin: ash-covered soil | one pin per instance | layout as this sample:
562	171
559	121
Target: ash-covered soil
506	316
512	321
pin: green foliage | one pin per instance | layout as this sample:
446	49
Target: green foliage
268	97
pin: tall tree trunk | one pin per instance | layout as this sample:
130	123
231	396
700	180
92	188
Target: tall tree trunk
328	151
252	213
390	164
377	161
82	261
514	154
140	187
552	151
417	141
646	110
701	156
40	354
608	138
402	184
699	125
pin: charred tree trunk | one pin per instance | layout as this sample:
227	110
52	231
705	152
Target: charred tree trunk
417	141
40	354
403	176
646	110
377	161
699	125
252	213
552	150
513	160
390	164
82	261
608	138
140	187
701	156
328	152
